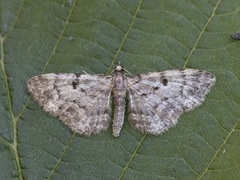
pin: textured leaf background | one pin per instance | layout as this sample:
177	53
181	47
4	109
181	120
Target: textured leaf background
43	36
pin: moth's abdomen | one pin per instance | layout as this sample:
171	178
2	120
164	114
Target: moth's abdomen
119	93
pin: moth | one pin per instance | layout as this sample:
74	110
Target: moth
156	99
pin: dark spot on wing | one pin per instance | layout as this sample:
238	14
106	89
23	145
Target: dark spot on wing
163	79
165	82
74	85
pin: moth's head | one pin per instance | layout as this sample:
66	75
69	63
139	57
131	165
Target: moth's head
119	68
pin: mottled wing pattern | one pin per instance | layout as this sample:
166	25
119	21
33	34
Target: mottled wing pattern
81	101
158	99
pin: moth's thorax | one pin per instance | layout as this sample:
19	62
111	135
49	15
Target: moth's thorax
119	81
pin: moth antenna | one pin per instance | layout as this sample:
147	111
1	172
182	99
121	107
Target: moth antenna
127	71
84	72
112	71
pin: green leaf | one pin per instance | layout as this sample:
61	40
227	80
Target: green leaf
72	36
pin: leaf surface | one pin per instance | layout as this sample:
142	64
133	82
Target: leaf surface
73	36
